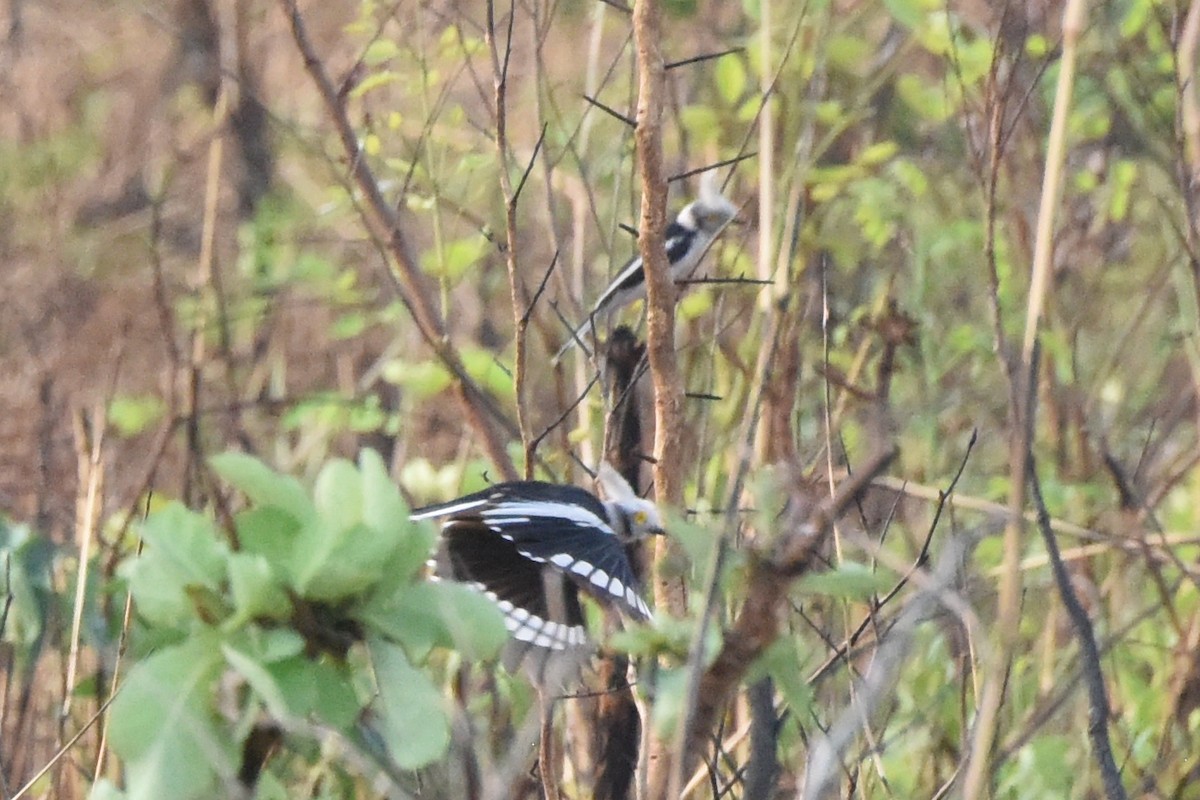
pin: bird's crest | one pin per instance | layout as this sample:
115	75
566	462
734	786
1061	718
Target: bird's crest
710	189
712	210
613	484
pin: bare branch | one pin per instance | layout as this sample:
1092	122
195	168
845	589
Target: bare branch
826	753
1099	712
520	319
707	167
706	57
479	408
1022	414
611	111
757	624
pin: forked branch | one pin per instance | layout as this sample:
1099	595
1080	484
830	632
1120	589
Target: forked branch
481	411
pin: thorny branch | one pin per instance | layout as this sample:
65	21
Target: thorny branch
824	761
492	425
660	325
515	289
757	623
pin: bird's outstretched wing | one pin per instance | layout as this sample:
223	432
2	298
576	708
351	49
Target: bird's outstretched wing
503	538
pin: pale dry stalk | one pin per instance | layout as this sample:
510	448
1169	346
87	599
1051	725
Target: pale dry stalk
995	671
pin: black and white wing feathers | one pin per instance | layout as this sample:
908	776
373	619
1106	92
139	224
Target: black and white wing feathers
473	554
502	539
685	244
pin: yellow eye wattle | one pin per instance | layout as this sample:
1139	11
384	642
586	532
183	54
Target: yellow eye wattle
640	517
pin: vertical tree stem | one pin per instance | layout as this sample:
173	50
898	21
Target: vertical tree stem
1009	613
520	318
660	305
766	164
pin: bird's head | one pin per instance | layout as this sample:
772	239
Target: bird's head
639	519
711	211
632	517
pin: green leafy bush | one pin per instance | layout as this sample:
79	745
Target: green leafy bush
314	607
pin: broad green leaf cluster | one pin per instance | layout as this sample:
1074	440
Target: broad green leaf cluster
309	610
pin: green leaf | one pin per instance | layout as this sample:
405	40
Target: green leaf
680	8
386	513
162	727
1122	176
334	564
26	560
421	378
104	790
320	688
349	325
270	788
261	681
424	481
850	580
849	52
878	152
271	533
456	258
295	687
412	720
255	590
929	101
701	123
697	542
730	77
339	554
183	563
187	543
694	305
669	689
374	81
382	506
910	13
263	485
338	494
484	367
783	663
379	51
131	415
439	614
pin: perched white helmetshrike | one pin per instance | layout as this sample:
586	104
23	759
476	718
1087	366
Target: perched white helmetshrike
506	540
687	238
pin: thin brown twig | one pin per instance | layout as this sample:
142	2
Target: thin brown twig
630	121
515	289
479	408
704	57
722	544
547	759
757	624
740	157
1189	39
62	751
89	434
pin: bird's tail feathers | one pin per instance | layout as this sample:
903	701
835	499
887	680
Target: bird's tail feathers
710	187
579	336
